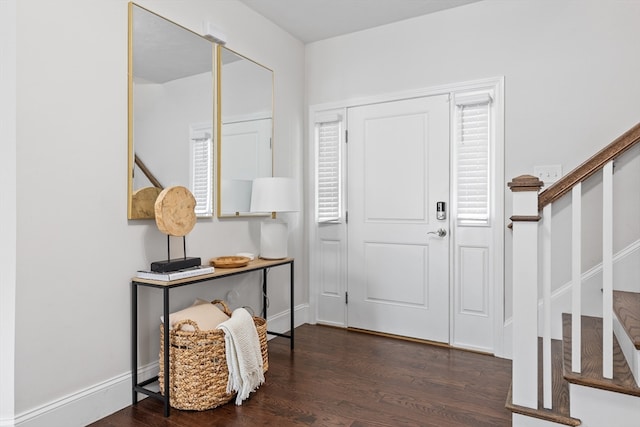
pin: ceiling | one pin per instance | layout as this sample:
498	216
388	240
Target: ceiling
165	51
313	20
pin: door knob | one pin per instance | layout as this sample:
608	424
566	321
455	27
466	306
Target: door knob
441	232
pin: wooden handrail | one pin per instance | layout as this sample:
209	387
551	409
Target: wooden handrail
591	166
145	170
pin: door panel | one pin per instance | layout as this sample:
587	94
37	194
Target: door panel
330	276
410	259
401	195
398	273
328	260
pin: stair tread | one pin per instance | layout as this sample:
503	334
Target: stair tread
560	391
541	413
627	308
591	375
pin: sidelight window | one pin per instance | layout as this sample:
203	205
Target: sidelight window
328	139
472	158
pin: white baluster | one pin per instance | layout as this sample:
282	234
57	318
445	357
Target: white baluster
546	301
607	270
576	278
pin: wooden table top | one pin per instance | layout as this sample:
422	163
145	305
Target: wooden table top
256	264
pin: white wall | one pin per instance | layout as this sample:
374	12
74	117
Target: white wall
246	92
163	115
8	202
571	72
75	250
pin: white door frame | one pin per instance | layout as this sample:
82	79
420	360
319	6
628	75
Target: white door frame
497	85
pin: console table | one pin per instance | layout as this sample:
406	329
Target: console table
166	286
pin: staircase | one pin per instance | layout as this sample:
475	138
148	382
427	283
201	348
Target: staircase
574	364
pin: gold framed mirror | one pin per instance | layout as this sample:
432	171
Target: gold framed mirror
245	134
171	111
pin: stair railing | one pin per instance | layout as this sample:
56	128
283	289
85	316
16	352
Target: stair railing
528	203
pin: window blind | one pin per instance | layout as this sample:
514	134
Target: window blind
328	176
472	159
202	173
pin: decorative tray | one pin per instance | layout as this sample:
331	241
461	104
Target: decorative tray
229	261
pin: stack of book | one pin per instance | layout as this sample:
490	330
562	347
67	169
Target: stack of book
175	275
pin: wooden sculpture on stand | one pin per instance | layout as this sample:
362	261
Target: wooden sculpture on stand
175	216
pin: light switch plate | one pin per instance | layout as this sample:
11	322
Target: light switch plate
548	173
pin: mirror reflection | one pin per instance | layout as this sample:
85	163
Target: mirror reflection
245	101
170	112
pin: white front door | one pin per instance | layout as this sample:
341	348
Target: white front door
398	266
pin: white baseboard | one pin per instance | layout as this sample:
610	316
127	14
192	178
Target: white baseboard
595	407
86	406
281	322
519	420
105	398
333	324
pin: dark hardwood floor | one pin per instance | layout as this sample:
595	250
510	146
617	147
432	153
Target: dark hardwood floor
337	377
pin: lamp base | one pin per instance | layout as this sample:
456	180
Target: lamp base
273	239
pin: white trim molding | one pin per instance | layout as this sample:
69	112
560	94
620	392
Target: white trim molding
88	405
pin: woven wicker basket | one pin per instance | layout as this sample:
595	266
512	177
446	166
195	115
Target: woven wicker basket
198	371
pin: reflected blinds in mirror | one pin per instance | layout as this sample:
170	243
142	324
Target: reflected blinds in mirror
472	159
328	134
201	148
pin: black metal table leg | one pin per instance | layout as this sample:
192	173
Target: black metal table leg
264	294
134	343
167	407
292	304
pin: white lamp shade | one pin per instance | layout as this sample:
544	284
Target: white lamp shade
274	194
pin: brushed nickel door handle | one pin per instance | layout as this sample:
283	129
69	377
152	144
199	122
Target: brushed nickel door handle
440	232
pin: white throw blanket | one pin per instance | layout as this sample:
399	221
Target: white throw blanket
244	357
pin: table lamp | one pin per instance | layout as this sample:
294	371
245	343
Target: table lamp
272	195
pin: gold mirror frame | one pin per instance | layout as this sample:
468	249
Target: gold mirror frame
244	115
169	169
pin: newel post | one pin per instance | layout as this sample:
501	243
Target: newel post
525	219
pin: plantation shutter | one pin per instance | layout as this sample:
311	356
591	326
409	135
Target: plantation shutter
328	177
472	159
201	151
